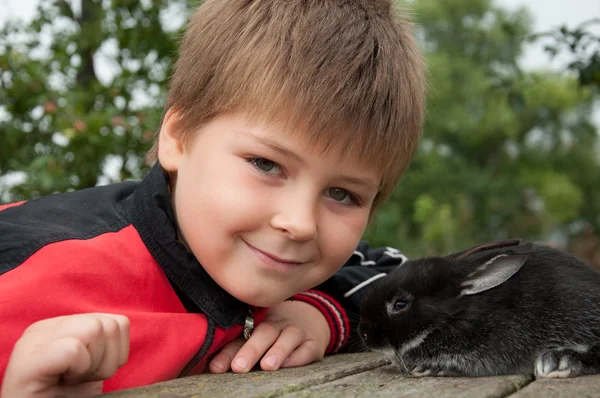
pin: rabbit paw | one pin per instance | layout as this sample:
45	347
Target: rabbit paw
556	364
427	371
420	371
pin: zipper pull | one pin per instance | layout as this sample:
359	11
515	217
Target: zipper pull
248	325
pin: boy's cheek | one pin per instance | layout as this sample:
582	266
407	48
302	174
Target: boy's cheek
327	272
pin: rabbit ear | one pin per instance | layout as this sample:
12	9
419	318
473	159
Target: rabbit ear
487	246
493	273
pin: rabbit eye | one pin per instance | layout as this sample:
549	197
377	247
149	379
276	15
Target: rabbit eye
400	305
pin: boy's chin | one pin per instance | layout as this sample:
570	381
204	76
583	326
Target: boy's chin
259	299
264	302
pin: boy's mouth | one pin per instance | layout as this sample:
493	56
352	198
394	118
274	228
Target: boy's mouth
272	259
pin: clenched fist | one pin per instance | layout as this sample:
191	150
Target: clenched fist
67	356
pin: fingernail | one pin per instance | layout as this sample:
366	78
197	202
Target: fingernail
220	366
271	361
241	362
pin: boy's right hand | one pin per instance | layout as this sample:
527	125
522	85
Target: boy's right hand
67	356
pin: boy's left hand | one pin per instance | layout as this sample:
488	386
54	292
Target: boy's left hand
294	333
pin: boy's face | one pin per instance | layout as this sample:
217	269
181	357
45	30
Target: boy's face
264	214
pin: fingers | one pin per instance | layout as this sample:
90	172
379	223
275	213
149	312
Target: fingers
67	356
124	336
91	335
274	345
277	347
107	363
221	363
262	338
290	339
306	353
106	338
68	351
292	334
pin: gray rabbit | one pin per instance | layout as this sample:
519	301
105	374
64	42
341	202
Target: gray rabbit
498	308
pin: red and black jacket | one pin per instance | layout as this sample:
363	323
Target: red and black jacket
115	249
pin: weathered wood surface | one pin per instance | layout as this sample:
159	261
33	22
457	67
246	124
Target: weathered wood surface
360	375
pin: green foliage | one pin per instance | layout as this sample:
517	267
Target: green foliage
582	44
62	123
505	152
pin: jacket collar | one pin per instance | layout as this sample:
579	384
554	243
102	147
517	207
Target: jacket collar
153	217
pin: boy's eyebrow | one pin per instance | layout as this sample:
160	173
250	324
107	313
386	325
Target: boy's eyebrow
274	146
270	144
360	181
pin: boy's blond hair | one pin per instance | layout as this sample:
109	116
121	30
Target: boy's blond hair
344	73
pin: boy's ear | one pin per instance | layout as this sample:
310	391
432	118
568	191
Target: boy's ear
170	147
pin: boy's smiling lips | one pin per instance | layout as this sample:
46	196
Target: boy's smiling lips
271	259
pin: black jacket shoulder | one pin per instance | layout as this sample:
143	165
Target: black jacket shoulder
82	214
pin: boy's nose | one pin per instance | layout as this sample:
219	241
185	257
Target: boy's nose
297	220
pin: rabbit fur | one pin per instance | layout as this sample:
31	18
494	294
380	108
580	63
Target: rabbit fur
498	308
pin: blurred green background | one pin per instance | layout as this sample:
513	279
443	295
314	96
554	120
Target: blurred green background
505	153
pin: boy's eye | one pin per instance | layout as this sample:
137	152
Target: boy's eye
338	194
266	165
343	196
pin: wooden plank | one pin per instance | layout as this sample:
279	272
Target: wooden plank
386	382
260	383
580	387
361	375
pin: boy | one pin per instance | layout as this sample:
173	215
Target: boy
286	126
